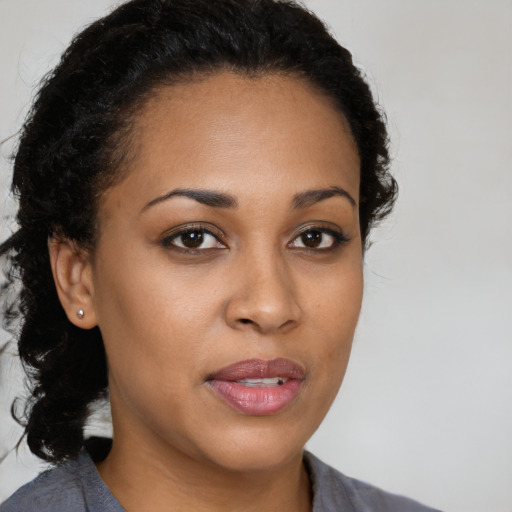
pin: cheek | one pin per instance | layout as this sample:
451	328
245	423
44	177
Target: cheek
334	297
333	315
159	320
153	325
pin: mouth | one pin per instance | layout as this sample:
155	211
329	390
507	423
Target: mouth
257	387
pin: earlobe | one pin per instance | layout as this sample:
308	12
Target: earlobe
72	275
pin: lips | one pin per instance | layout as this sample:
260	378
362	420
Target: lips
258	387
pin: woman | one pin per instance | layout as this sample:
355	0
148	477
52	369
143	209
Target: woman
196	184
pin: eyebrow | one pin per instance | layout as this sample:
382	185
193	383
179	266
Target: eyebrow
310	197
206	197
216	199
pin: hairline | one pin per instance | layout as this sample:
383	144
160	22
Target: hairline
124	136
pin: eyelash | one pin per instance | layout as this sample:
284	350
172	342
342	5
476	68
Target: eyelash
339	238
168	240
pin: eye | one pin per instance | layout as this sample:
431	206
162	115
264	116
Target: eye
319	238
193	239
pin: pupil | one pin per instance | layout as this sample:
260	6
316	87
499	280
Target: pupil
312	238
192	240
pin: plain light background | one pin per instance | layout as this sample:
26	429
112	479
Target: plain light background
426	406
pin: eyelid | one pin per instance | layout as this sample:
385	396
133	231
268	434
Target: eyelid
169	235
328	228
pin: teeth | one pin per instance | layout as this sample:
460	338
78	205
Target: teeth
261	383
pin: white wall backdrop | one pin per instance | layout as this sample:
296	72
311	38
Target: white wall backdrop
426	406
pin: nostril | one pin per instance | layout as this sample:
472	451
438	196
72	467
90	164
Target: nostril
245	321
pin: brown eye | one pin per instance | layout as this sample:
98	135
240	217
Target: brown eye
192	239
311	239
319	239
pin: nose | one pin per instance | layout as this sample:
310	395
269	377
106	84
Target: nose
264	297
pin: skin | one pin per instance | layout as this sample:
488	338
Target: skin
170	317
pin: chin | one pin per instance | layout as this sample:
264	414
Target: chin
250	450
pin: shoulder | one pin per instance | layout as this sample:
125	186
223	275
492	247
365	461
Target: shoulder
59	487
72	487
333	491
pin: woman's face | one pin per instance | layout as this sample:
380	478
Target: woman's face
227	278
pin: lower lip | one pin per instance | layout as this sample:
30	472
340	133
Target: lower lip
256	401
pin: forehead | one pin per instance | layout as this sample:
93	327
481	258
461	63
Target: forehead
230	131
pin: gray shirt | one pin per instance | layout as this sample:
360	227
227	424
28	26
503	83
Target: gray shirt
77	487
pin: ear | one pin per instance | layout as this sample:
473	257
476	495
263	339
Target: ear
72	274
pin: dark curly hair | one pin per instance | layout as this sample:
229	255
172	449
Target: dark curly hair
77	134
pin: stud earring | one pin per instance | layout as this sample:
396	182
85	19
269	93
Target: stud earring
80	314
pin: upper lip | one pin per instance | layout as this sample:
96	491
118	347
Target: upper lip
259	368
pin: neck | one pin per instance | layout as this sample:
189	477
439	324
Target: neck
161	478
